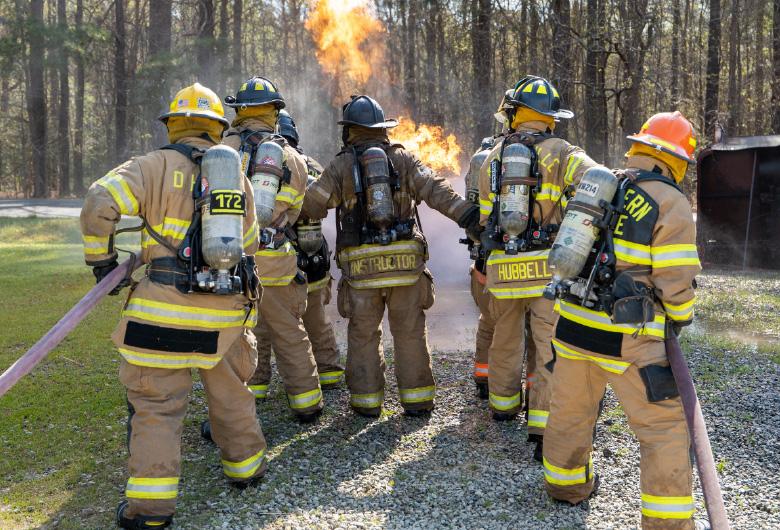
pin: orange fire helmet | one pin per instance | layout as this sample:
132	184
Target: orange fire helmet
669	132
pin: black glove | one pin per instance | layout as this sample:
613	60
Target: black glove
470	222
101	271
488	243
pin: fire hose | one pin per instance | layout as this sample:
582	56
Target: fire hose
66	324
705	463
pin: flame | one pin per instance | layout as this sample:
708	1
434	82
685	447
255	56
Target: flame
428	142
348	39
351	50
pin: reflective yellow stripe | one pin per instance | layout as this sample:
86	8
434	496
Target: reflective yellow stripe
417	395
367	401
680	312
319	284
305	400
600	320
285	250
503	293
276	281
120	192
667	507
675	256
329	378
499	256
365	251
571	167
182	315
567	477
95	245
631	252
610	365
549	192
378	283
260	391
171	227
538	418
152	488
245	468
288	194
251	236
505	403
172	362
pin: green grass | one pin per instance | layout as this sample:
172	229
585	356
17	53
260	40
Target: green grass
62	426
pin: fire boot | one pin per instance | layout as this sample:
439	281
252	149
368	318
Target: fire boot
482	390
308	417
418	413
141	522
205	431
504	416
538	439
596	484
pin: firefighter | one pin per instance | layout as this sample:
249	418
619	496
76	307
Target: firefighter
375	186
257	105
314	260
523	188
164	331
655	258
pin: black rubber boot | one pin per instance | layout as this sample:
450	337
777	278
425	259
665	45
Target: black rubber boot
367	413
482	391
141	522
537	439
419	413
308	417
504	416
205	431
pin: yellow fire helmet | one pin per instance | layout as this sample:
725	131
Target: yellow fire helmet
196	101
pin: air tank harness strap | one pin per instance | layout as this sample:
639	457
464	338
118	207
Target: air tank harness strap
167	271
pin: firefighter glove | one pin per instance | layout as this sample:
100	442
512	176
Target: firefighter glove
101	271
470	222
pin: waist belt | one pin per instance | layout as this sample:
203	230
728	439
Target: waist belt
167	271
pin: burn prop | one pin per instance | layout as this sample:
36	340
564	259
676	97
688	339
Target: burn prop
61	329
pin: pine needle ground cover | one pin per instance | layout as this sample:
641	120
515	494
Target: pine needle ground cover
62	428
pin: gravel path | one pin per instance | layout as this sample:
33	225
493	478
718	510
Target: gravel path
462	470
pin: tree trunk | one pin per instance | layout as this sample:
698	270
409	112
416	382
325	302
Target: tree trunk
205	41
36	100
78	128
776	67
595	99
237	48
561	54
482	64
676	61
63	119
160	57
120	82
733	93
713	70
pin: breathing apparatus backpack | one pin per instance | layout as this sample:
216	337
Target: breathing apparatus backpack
210	259
515	180
373	219
583	257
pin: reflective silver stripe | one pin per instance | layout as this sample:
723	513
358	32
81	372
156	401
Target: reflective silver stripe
260	391
604	320
557	478
168	361
537	418
521	292
388	282
668	507
244	469
367	401
120	191
307	399
141	307
505	403
160	488
331	377
392	248
417	395
632	255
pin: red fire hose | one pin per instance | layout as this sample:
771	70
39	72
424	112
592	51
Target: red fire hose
705	462
61	329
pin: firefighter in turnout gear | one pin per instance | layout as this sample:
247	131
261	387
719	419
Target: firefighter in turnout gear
375	187
523	188
613	330
278	175
314	260
170	325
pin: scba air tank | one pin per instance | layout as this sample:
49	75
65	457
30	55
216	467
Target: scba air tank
309	231
578	232
379	195
223	211
472	177
267	172
515	194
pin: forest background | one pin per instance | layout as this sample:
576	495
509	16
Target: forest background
83	81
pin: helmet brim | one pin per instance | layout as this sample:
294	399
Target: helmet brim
199	114
563	114
278	103
657	143
387	124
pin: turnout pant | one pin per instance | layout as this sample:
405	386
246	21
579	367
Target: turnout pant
484	327
505	357
319	329
365	374
281	326
157	401
666	473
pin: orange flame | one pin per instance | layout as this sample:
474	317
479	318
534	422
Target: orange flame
351	51
428	142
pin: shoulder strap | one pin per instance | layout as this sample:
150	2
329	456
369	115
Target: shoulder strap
649	176
193	153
